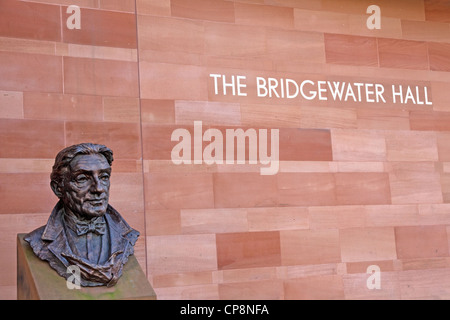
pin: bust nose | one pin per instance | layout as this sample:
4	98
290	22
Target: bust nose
97	186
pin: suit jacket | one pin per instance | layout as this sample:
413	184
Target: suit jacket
50	243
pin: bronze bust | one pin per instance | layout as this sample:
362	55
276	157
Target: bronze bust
83	229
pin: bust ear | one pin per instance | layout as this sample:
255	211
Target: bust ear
56	189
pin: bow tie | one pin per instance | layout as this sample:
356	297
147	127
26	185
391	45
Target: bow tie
96	225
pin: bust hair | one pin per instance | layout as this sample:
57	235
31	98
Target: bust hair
65	156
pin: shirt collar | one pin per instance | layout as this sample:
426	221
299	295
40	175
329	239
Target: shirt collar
55	222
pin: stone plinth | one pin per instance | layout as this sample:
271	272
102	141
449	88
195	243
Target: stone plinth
36	280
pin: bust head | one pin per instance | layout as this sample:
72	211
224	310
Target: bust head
83	230
80	178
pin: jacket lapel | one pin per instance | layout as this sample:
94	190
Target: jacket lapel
54	232
117	231
60	246
121	234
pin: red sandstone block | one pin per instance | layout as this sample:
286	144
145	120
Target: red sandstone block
367	244
294	144
24	165
425	284
11	105
404	9
391	27
421	242
280	218
157	144
153	7
175	191
304	247
445	185
362	266
181	253
440	92
10	226
429	120
210	113
38	198
309	270
30	138
162	222
425	263
118	5
357	166
194	292
448	237
38	105
355	285
351	50
196	221
236	190
122	138
358	145
237	63
126	194
443	144
254	290
303	4
234	40
434	214
30	72
247	274
176	57
212	10
171	81
80	3
305	145
180	35
437	10
395	53
128	165
158	111
102	28
322	21
425	31
411	146
326	287
391	215
21	19
337	217
383	118
121	109
264	16
248	250
182	279
414	182
306	189
362	188
439	56
265	115
100	77
328	117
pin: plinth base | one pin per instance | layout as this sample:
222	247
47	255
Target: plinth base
36	280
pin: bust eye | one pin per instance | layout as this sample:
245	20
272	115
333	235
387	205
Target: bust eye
105	177
81	178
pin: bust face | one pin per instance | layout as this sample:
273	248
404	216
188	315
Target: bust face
86	192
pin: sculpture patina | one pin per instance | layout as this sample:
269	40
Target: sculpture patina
83	229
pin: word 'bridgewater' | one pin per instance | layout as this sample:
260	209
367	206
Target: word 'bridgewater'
235	144
322	90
